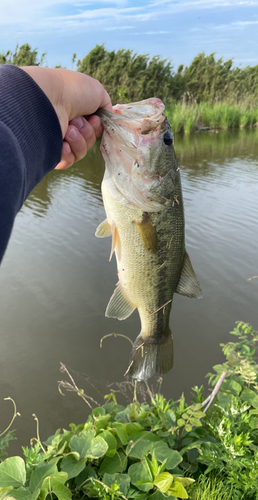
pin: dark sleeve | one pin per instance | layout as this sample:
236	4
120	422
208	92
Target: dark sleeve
30	143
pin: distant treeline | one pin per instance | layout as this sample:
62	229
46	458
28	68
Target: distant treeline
128	76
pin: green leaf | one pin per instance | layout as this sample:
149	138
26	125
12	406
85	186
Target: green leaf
158	496
140	476
111	442
224	399
114	464
39	474
155	466
123	416
5	492
163	481
98	448
43	494
250	397
57	478
254	423
188	427
62	492
99	411
83	476
121	432
133	427
82	443
72	466
231	386
177	489
139	449
24	495
185	481
12	472
194	421
173	459
123	481
253	412
181	422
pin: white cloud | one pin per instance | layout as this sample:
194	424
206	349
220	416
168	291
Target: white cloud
114	28
152	33
201	4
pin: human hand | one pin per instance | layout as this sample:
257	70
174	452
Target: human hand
74	96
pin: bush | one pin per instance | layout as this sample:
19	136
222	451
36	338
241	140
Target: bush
128	76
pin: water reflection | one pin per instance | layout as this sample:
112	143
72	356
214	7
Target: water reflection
87	175
55	281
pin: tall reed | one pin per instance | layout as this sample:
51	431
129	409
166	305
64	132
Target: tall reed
189	117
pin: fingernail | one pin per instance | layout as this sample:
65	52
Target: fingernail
73	134
66	148
96	123
78	122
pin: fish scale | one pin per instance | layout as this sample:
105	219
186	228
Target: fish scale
143	202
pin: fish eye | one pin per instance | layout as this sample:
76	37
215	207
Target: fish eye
168	139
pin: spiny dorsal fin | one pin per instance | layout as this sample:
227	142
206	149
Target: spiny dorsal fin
103	230
119	305
148	233
188	283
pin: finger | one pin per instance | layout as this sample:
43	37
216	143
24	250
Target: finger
76	142
67	159
86	130
96	124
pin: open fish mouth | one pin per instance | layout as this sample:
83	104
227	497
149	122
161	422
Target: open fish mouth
138	118
131	145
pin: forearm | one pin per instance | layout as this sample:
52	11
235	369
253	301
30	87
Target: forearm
30	143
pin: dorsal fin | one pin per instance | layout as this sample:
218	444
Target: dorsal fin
119	305
188	283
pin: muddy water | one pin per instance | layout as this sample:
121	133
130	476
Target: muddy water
55	282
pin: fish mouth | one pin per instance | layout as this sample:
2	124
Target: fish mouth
131	135
138	118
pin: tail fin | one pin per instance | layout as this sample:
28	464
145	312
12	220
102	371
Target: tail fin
150	355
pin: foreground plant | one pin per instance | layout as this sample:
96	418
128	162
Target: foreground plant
157	450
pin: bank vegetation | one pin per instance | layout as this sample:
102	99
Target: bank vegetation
210	92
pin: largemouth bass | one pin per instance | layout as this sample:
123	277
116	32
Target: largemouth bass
145	216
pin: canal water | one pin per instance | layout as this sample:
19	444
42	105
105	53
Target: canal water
55	283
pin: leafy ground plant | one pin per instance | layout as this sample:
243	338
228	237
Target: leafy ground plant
156	450
120	451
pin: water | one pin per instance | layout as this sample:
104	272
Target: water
55	282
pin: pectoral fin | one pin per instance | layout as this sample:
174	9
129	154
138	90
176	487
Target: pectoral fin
148	233
119	305
103	230
188	283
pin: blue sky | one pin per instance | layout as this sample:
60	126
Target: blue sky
175	29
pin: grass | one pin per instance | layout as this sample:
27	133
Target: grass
189	117
208	488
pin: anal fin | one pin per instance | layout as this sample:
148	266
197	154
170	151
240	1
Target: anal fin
119	305
188	283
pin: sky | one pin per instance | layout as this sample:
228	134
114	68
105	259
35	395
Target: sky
177	30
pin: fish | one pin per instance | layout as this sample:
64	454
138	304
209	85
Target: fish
143	201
